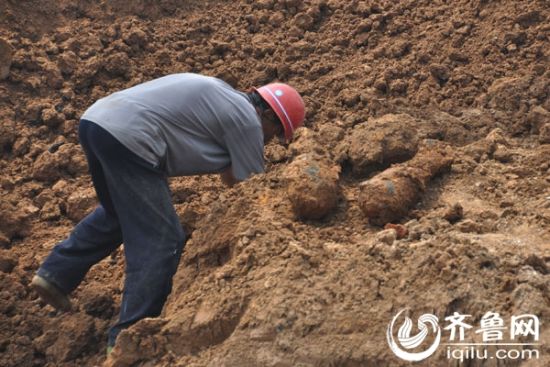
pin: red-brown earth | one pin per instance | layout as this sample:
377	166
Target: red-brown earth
263	280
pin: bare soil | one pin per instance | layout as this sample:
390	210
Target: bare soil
286	269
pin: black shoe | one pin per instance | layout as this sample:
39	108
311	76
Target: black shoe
50	293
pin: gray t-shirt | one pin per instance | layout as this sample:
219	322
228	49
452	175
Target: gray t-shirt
185	124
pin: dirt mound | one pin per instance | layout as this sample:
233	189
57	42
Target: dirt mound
263	280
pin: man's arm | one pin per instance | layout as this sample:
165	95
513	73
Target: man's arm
246	151
228	178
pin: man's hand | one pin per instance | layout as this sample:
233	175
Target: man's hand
228	178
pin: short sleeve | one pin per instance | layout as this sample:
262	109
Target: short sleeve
246	149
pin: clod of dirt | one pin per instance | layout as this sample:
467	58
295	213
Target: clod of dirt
52	76
118	64
305	141
8	135
380	142
100	305
81	203
6	56
14	221
387	236
131	348
68	158
73	338
276	153
459	68
52	118
7	262
503	154
400	230
469	226
312	186
530	18
388	196
537	118
50	210
496	136
486	148
67	62
544	135
135	38
506	93
454	213
440	72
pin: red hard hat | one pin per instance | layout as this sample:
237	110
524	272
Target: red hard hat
287	104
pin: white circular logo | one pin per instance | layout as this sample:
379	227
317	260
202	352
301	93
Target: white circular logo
278	92
411	342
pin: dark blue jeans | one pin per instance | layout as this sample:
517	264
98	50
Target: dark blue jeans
135	208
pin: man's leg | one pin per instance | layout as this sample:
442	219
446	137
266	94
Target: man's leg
153	236
94	238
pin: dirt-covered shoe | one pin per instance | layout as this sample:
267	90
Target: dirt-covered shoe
50	293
